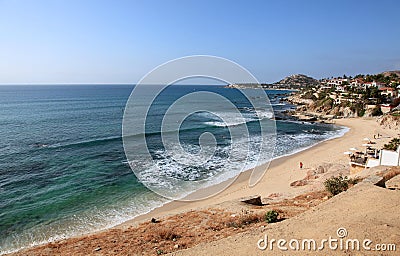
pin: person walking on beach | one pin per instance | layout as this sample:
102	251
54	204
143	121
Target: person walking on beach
301	165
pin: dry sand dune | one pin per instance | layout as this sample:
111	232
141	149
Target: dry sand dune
366	211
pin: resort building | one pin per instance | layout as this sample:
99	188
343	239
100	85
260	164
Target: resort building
373	157
386	157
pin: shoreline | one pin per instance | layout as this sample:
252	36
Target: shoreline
167	209
352	137
276	180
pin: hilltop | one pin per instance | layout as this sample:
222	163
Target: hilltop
390	73
297	81
301	81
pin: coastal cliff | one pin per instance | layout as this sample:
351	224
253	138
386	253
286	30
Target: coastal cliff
389	121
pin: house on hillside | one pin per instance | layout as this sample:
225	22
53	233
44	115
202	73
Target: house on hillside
388	91
373	84
357	83
340	98
341	88
338	81
386	108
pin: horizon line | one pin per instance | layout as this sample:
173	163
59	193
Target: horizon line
5	84
77	84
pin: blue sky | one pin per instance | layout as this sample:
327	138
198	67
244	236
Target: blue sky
94	41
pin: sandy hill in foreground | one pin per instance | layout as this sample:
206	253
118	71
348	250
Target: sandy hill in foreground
366	211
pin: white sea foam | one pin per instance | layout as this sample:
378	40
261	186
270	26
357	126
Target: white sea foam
229	119
86	222
98	219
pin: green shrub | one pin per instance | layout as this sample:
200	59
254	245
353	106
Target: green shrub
271	216
377	111
336	185
397	113
354	181
393	144
309	95
328	103
361	112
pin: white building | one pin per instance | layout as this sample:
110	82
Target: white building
337	81
374	84
340	88
388	91
386	157
357	83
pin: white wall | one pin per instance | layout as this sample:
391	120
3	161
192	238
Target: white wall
390	158
372	162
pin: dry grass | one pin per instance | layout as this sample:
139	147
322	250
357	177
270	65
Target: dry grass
177	232
387	175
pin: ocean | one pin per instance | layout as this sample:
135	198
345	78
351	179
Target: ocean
64	172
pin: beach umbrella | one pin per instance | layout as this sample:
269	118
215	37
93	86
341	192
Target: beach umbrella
366	139
353	149
347	153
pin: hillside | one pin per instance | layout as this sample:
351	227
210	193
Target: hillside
388	73
297	81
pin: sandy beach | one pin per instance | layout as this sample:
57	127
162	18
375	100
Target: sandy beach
274	187
282	171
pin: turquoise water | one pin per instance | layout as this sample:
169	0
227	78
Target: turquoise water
63	170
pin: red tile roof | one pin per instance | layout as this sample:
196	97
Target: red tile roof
386	89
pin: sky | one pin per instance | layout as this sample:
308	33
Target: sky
95	41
